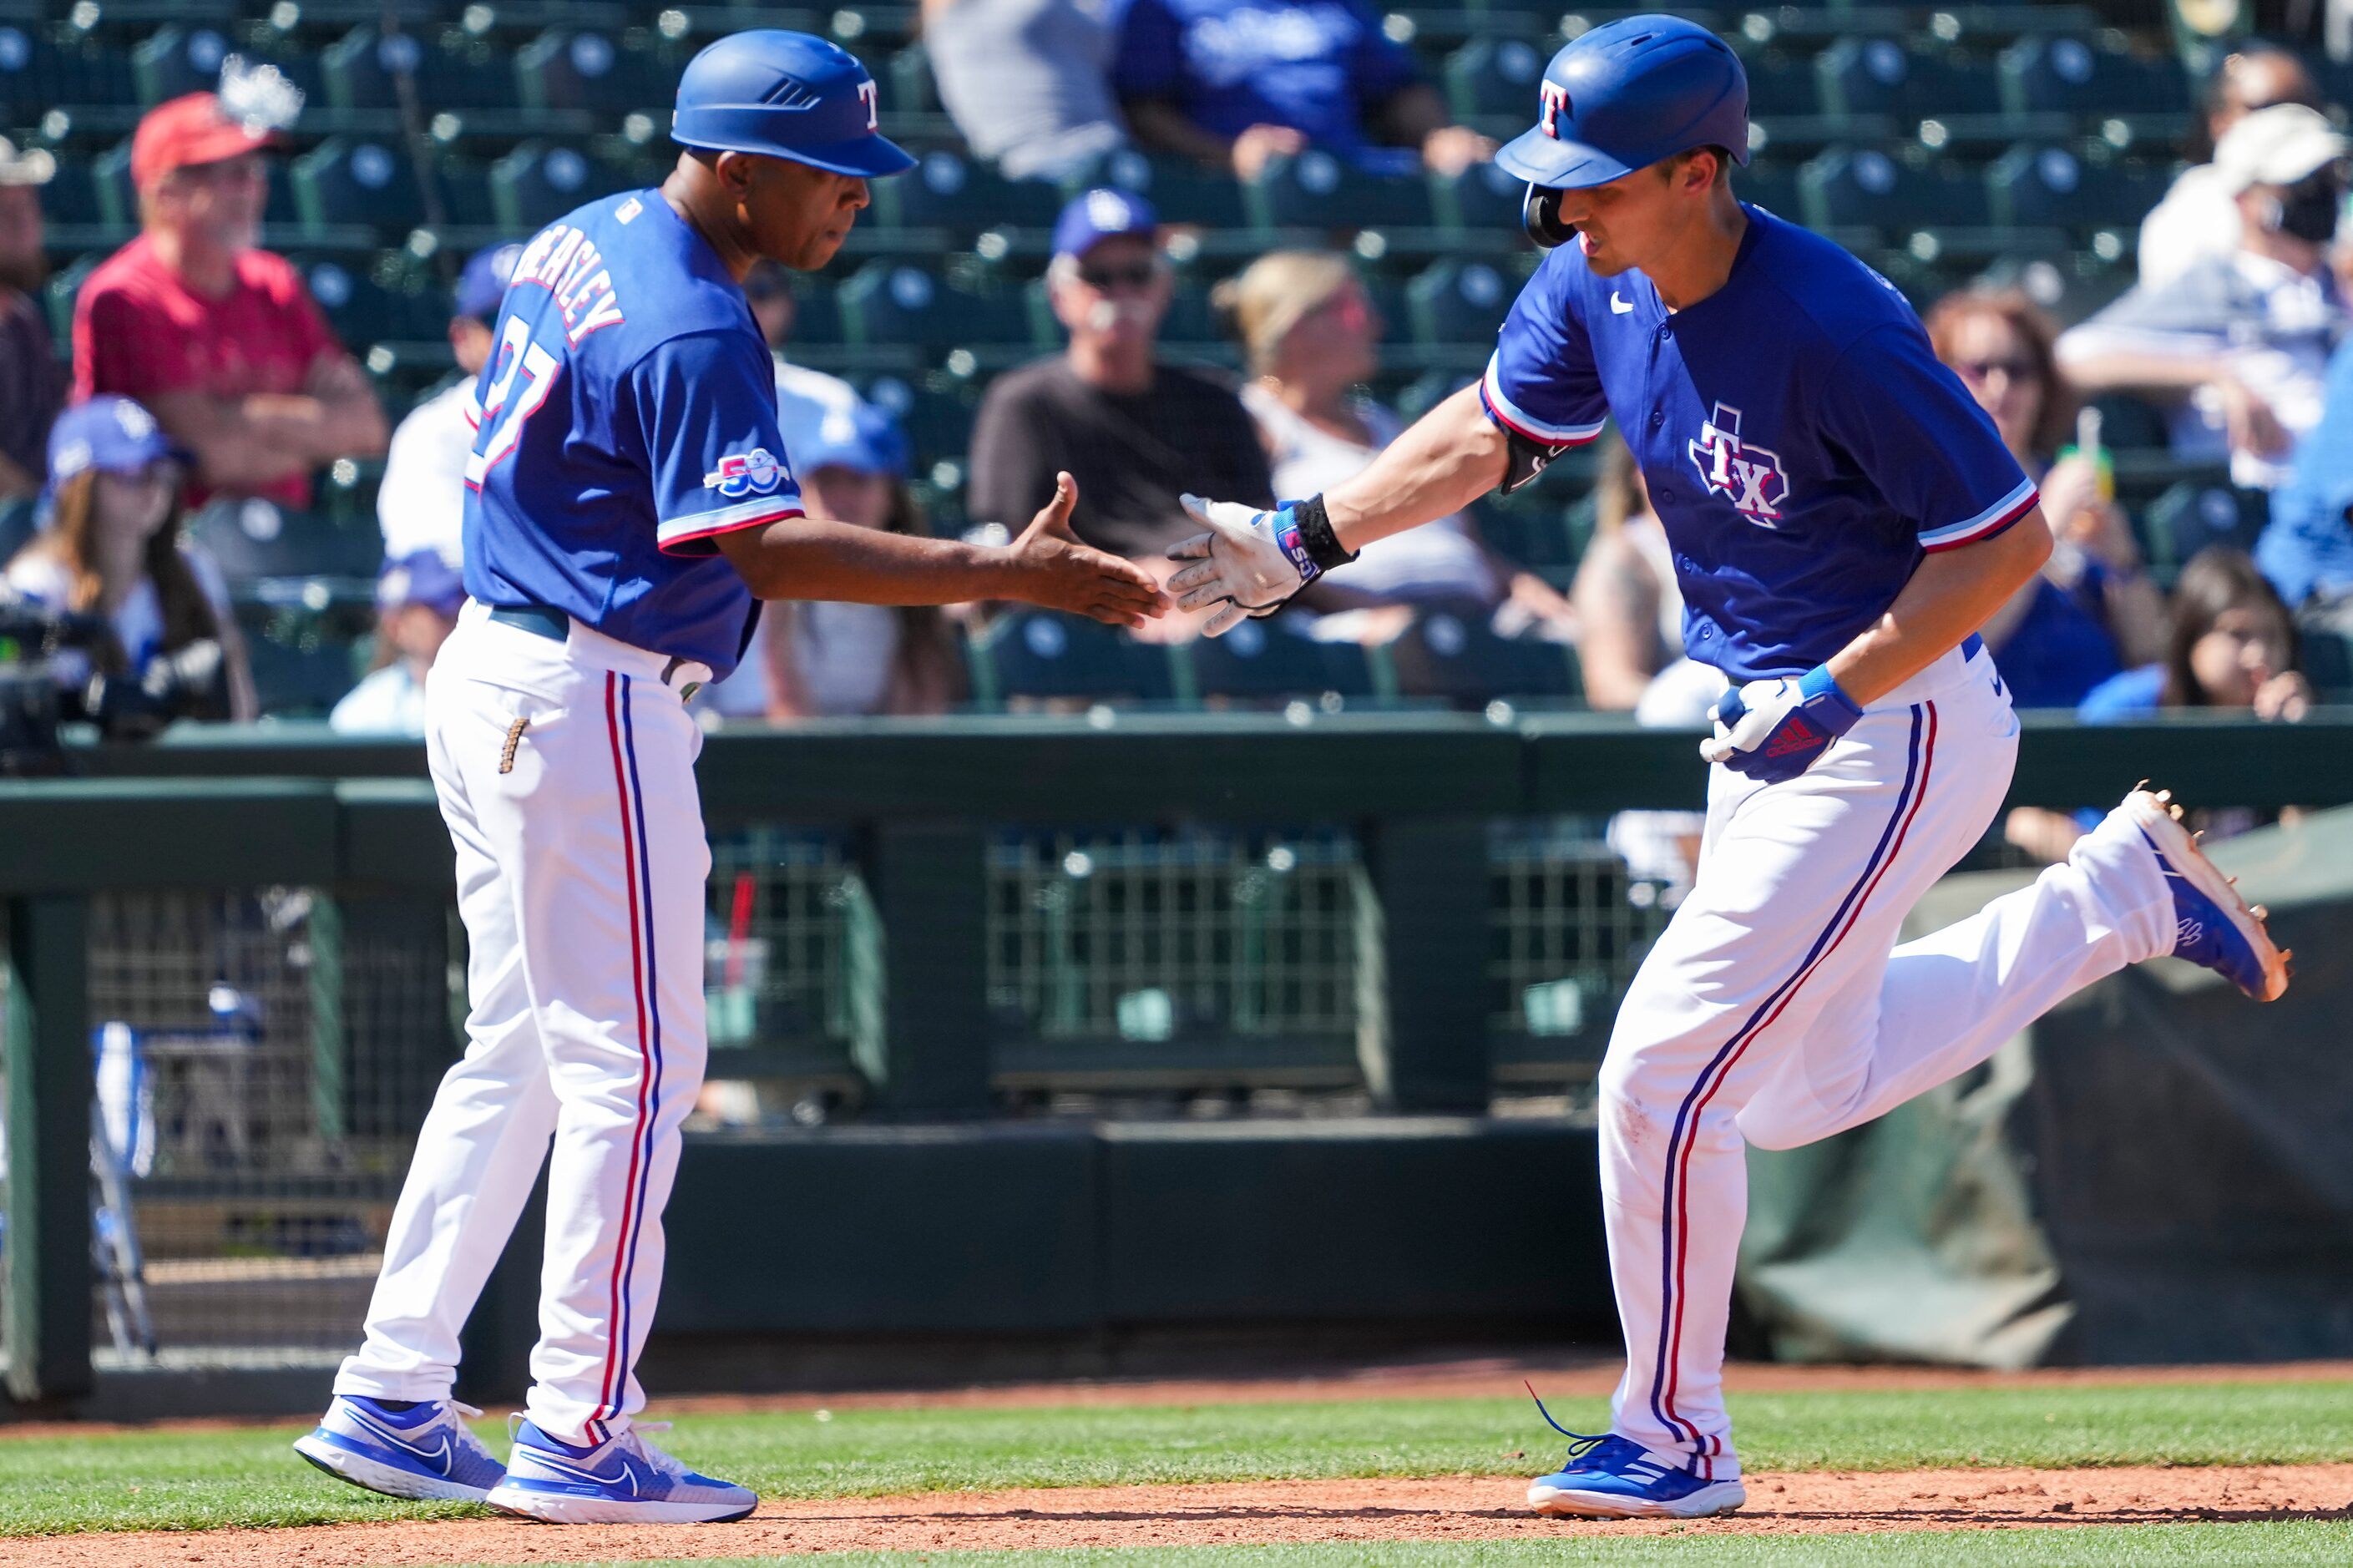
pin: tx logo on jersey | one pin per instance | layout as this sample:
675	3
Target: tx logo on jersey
1747	476
752	473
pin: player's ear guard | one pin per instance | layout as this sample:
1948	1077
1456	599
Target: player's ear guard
1540	214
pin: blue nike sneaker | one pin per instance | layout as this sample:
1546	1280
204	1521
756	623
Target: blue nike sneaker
624	1480
1615	1477
2213	926
427	1452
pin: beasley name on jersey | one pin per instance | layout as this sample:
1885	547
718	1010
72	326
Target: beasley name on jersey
627	419
1798	439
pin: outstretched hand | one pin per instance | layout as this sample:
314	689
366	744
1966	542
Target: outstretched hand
1058	571
1238	565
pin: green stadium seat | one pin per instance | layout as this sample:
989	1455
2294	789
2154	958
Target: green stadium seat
1317	190
28	80
1859	76
1459	302
1180	191
181	60
2128	423
938	425
39	74
72	196
1528	528
538	183
908	85
1483	198
365	310
1459	659
950	191
1863	188
1780	86
2049	186
817	313
58	298
1271	659
1494	76
1042	655
466	194
2329	663
2075	76
588	70
301	665
2196	514
356	181
253	541
362	71
892	303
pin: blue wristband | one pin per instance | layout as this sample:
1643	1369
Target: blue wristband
1821	696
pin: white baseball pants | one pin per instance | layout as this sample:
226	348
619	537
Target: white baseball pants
565	772
1778	1009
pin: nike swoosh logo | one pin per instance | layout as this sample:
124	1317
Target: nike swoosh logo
628	1473
1618	307
439	1456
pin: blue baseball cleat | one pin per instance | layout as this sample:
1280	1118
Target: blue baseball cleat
624	1480
1614	1477
426	1452
2213	926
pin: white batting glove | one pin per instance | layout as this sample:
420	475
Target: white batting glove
1243	563
1774	730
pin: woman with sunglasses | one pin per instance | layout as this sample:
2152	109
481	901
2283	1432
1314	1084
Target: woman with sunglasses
110	546
2091	611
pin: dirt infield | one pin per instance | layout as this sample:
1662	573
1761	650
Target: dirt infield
1473	1509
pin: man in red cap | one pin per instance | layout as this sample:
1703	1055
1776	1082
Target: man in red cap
218	338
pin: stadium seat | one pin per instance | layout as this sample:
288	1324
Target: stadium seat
1042	655
29	85
2073	75
362	71
2329	663
357	182
1180	191
1316	190
1459	302
365	310
1780	86
181	60
1459	657
59	297
2048	186
255	539
908	84
1273	660
538	183
950	191
2194	514
888	302
589	71
72	196
2129	424
1879	76
1528	528
1484	198
1865	189
301	665
937	424
90	78
1494	76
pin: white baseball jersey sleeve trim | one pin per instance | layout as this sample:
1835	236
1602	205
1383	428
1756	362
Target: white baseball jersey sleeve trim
677	530
1987	523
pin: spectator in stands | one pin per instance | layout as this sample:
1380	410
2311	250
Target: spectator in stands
1310	338
2091	609
110	547
421	503
219	338
417	598
2198	218
2306	548
2239	343
1027	81
2232	645
1629	611
1134	433
1232	83
830	660
30	387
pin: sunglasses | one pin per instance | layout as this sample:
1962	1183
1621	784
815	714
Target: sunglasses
2011	369
1138	275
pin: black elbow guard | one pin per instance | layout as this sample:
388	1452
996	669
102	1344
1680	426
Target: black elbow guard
1524	458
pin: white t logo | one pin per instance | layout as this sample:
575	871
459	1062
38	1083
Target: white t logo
869	94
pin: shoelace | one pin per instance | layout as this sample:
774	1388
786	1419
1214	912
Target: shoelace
1579	1444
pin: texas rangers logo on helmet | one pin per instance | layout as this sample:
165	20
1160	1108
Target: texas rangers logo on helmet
752	473
1747	476
1553	102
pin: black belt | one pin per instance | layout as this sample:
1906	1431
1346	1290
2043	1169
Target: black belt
537	619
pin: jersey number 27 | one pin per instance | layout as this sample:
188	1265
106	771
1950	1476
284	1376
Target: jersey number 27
518	358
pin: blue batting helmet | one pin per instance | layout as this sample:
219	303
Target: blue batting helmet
785	95
1627	94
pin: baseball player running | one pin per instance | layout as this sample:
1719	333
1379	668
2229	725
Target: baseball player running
628	497
1842	518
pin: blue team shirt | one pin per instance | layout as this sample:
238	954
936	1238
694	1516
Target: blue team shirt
1230	63
627	418
1801	443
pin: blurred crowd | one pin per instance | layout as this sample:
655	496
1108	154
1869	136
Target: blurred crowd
202	371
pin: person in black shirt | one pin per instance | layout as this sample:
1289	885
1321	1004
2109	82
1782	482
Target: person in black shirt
1134	433
32	384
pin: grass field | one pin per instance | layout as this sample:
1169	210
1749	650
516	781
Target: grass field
194	1480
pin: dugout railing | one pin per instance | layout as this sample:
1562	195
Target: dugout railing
1353	900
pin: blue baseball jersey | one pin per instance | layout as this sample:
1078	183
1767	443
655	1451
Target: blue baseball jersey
1799	440
626	419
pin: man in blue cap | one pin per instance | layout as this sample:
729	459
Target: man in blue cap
1134	433
628	498
421	503
417	598
1844	519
